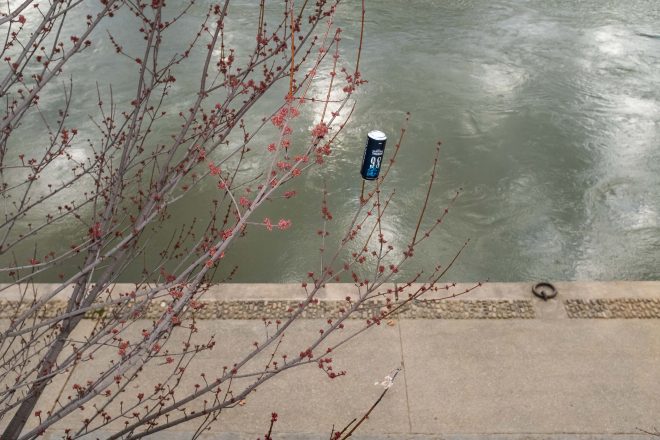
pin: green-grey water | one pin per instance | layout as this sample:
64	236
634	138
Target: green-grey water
549	114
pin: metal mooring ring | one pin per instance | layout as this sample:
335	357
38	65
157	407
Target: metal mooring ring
539	289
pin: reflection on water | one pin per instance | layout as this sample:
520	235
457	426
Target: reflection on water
549	112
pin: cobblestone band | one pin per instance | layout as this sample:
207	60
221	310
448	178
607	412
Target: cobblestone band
256	309
615	308
471	309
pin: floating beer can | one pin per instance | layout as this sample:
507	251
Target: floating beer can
373	155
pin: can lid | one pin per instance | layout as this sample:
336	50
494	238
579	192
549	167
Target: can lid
377	135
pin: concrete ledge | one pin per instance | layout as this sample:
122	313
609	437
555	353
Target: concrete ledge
577	379
581	369
576	300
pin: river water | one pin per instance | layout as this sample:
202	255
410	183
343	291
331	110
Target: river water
549	114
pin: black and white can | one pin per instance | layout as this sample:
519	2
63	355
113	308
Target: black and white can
373	155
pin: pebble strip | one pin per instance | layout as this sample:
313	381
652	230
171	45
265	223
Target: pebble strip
255	309
616	308
471	309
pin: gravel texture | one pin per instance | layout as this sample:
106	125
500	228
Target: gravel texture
615	308
256	309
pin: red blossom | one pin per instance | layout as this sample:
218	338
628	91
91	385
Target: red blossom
283	165
214	169
123	345
268	224
176	293
320	130
284	224
277	120
22	19
95	231
283	114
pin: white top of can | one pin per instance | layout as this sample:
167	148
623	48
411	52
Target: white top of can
377	135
